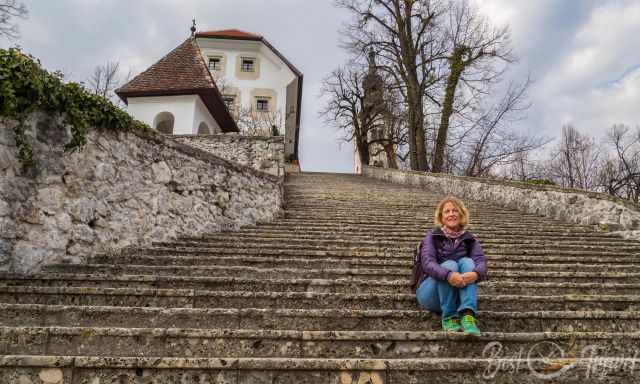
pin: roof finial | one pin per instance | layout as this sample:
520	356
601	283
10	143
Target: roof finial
372	58
193	27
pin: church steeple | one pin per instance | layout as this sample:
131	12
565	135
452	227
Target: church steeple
193	27
372	60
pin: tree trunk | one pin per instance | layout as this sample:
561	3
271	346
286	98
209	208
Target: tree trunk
417	148
391	155
409	56
457	67
363	149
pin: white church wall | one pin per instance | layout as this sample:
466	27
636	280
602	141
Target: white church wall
188	112
273	73
182	108
201	114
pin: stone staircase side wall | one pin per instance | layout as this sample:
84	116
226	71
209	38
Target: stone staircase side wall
569	205
121	189
263	153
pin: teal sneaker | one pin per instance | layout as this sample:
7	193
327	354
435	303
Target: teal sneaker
451	324
469	326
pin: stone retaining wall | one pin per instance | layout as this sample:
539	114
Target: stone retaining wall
259	152
121	189
568	205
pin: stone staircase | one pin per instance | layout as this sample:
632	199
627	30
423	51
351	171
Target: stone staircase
322	296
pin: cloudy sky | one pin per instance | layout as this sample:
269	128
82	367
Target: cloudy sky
581	54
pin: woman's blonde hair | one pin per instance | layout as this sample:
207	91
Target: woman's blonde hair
464	212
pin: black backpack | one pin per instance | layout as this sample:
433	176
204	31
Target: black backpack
416	269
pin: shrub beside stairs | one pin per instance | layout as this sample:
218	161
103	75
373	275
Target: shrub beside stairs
322	296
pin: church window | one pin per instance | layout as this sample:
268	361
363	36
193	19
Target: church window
248	64
215	63
163	122
229	101
262	104
203	129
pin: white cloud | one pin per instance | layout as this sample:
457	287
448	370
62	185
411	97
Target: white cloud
603	49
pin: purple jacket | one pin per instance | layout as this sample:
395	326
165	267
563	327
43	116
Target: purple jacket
431	259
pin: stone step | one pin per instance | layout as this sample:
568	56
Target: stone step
305	319
413	231
477	214
404	220
408	243
478	217
189	298
532	274
382	253
346	285
301	245
416	218
409	211
292	224
408	236
425	222
413	204
104	369
312	261
199	343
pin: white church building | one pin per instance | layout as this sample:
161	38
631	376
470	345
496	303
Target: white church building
220	81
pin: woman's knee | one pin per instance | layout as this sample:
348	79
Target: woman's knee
427	295
450	265
466	264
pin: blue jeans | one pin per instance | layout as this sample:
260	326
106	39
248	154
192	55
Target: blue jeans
442	297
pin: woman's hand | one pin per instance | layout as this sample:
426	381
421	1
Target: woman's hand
469	277
456	280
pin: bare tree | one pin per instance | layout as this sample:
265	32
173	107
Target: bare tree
259	123
106	78
9	10
619	175
374	126
494	144
401	32
474	47
576	161
345	101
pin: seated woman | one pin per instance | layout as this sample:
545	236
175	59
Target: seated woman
453	262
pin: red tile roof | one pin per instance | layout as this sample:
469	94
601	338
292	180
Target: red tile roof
182	68
181	72
231	33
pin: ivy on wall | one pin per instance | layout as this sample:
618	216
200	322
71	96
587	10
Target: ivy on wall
26	87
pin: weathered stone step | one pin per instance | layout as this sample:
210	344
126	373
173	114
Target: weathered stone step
482	214
417	218
529	272
292	224
382	253
319	246
407	243
417	229
404	220
426	218
304	319
412	237
312	261
178	342
103	369
408	236
479	217
188	298
506	287
404	205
